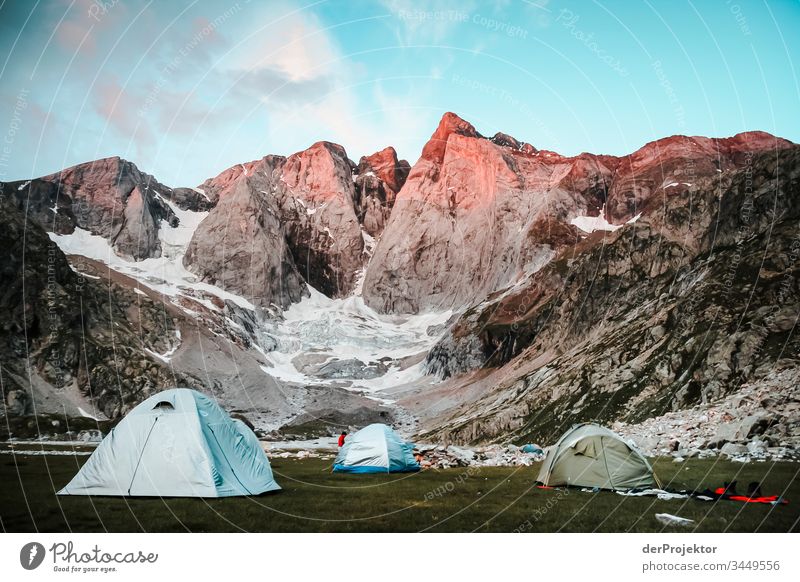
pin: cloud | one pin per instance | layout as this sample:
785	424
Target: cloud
296	44
72	36
79	24
119	107
273	81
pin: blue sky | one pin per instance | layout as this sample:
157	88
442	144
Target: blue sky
187	89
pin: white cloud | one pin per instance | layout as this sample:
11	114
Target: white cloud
294	43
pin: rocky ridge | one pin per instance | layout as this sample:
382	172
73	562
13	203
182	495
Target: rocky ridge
477	215
110	197
696	298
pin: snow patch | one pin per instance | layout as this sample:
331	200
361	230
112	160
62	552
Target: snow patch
593	223
85	414
165	357
165	274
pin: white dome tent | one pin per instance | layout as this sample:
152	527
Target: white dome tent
177	443
375	449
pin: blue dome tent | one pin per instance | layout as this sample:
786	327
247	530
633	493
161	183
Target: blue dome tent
177	443
375	449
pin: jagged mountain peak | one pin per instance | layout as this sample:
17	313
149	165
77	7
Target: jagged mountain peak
449	124
386	166
332	147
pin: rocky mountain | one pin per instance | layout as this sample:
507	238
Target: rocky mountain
492	292
110	197
696	298
475	215
70	345
478	214
89	335
281	222
241	246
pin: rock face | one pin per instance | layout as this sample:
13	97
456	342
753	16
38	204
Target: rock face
315	191
281	222
111	198
670	167
478	214
63	336
475	215
240	246
379	178
679	308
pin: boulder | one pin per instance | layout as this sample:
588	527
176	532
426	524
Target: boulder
352	368
17	403
740	430
757	447
733	450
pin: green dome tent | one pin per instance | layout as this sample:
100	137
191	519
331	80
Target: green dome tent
588	455
177	443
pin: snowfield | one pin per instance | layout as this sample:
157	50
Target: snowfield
345	329
165	274
328	330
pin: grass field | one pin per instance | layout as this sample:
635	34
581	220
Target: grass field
489	499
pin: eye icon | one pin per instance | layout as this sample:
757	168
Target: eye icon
31	555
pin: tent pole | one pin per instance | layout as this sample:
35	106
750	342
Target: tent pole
141	454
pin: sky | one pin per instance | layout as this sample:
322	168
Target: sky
186	89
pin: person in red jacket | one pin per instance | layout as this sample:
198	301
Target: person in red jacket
341	438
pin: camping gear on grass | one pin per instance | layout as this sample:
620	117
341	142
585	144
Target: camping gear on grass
754	495
375	449
669	519
177	443
662	494
588	455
